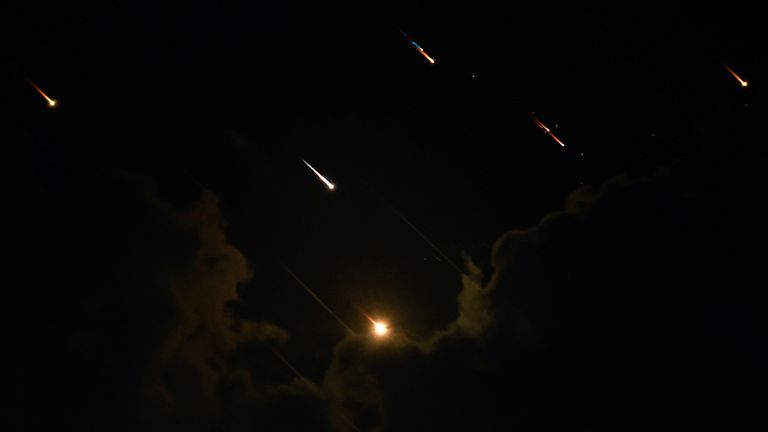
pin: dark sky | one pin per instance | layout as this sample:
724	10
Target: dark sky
615	283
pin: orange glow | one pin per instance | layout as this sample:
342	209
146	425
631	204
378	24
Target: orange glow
541	125
380	328
548	132
424	53
556	139
741	81
51	102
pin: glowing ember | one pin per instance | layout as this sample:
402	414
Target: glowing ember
380	328
738	78
547	131
51	102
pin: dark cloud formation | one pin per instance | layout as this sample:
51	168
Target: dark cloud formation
122	299
127	308
639	307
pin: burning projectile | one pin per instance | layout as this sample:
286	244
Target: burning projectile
379	328
51	102
735	75
547	130
418	47
328	184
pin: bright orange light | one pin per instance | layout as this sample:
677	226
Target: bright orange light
548	132
556	139
380	328
51	102
541	125
741	81
424	53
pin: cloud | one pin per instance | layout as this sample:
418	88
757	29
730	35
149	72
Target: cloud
630	309
205	333
196	382
127	315
639	306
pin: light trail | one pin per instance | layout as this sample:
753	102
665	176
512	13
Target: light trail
327	182
426	239
308	382
547	130
379	328
317	298
422	52
291	367
735	75
417	46
51	102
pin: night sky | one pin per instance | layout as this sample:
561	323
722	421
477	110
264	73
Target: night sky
154	217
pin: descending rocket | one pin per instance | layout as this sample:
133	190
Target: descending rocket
322	178
735	75
546	130
51	102
417	46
